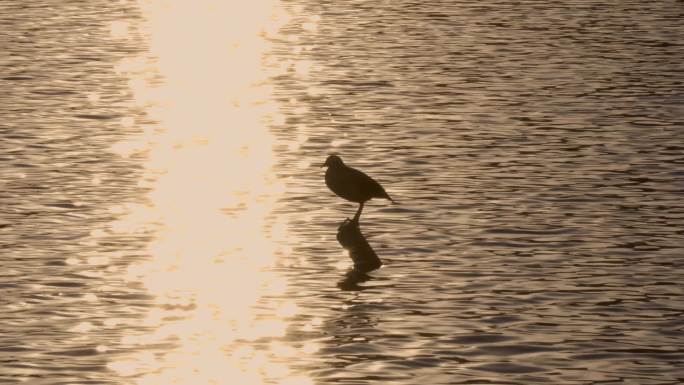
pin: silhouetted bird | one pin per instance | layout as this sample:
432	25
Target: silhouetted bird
352	184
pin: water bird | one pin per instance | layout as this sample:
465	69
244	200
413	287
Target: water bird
352	184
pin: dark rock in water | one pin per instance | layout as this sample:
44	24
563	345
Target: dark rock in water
352	280
362	254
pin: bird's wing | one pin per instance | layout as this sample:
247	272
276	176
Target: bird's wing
367	183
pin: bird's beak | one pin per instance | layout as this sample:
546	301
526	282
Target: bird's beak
323	165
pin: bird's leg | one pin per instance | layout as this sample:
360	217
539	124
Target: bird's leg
358	213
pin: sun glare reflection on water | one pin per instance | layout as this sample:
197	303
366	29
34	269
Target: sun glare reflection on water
208	158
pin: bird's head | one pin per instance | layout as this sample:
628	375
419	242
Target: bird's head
332	161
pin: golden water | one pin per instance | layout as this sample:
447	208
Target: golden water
163	219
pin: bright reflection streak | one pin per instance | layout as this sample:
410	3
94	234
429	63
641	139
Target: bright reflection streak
208	162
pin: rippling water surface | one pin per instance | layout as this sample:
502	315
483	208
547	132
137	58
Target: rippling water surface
163	219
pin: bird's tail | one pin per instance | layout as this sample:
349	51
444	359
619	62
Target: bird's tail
385	195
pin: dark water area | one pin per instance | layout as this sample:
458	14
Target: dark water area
164	219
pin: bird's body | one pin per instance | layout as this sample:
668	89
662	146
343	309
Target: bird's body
352	184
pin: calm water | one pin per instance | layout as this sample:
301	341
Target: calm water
163	219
